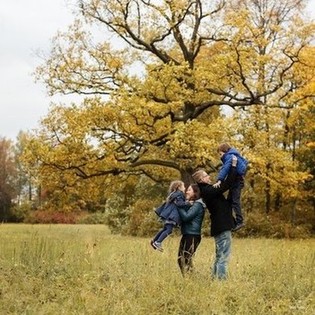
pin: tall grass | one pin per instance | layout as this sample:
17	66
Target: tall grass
83	269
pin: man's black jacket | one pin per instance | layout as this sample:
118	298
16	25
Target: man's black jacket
219	207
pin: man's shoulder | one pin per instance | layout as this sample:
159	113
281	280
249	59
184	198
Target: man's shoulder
204	187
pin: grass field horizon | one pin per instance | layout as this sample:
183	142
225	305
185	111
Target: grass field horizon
83	269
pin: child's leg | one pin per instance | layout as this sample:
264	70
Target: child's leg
235	198
167	230
158	234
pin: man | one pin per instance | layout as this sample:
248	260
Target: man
222	221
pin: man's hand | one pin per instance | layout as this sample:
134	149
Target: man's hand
234	160
217	184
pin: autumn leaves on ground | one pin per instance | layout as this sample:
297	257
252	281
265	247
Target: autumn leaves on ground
83	269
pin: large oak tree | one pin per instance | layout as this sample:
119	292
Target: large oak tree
152	76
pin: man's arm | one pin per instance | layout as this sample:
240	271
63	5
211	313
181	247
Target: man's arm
225	185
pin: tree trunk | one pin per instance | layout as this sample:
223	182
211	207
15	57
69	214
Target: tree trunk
293	212
268	197
251	199
186	176
29	191
278	201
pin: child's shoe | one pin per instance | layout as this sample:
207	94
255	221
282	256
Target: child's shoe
157	245
151	242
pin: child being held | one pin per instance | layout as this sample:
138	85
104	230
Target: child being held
168	212
234	196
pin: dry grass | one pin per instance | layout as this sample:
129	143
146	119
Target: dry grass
82	269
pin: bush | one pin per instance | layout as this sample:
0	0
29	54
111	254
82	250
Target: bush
18	213
93	218
273	226
49	217
138	219
134	214
142	220
115	215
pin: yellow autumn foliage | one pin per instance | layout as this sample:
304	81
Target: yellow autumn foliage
153	108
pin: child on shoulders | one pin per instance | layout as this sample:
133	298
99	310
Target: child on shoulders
234	196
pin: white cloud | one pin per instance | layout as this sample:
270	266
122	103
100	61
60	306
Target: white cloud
27	26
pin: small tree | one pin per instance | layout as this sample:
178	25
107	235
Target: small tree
7	178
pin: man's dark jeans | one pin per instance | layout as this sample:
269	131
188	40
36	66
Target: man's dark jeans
187	247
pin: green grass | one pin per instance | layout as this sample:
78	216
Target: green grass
83	269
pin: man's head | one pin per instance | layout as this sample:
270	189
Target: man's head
201	176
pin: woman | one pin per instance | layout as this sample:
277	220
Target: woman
190	228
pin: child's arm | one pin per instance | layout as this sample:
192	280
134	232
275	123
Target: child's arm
225	169
217	184
180	201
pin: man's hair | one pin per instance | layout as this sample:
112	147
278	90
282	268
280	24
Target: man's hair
224	147
198	175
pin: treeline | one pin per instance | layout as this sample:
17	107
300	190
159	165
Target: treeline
278	198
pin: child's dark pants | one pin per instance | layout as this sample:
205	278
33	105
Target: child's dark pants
164	233
234	197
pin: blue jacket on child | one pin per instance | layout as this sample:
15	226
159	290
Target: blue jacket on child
168	210
241	166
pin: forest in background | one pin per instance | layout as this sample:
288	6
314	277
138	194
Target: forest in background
161	84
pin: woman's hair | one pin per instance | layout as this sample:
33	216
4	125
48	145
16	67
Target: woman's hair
175	185
196	190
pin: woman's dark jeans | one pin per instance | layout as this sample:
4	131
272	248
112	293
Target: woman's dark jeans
187	248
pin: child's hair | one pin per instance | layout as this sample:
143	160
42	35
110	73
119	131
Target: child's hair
175	185
224	147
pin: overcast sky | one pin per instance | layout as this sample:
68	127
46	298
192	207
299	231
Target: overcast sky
27	26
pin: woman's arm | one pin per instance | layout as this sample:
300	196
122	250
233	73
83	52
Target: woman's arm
191	213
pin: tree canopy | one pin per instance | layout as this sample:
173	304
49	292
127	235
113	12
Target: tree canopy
154	77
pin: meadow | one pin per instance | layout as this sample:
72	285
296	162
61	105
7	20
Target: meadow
83	269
